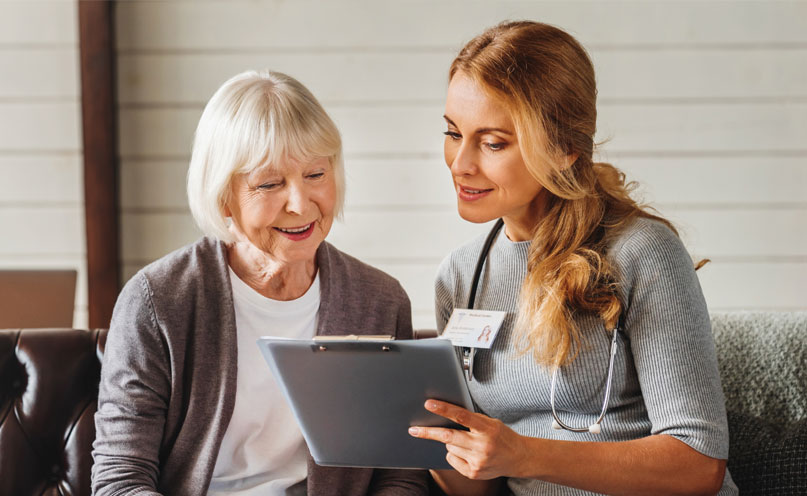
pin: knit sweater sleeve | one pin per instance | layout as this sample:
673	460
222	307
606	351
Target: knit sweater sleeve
669	333
133	398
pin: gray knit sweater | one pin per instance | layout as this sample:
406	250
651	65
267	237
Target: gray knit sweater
665	374
168	381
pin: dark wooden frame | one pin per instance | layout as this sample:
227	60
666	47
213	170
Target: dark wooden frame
99	123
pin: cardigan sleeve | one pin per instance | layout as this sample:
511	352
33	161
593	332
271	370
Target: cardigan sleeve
669	333
395	482
132	399
404	326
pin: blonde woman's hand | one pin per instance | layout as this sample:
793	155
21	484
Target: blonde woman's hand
489	449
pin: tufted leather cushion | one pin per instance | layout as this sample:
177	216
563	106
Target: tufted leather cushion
48	396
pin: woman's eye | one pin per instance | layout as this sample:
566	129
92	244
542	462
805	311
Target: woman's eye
268	186
316	175
495	147
453	135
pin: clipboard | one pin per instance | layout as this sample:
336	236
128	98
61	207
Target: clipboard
355	399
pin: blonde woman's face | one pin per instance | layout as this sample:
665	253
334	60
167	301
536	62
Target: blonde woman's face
287	210
483	154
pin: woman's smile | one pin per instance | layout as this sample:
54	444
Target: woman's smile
471	194
296	233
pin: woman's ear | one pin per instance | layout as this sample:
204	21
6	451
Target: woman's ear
225	209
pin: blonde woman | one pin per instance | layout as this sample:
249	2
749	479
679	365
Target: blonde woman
603	377
187	405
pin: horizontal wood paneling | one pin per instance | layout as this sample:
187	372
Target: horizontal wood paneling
741	286
719	181
416	129
741	232
704	103
41	179
146	237
40	127
699	128
41	231
702	74
419	183
38	23
41	192
153	184
130	269
39	74
192	78
157	132
217	26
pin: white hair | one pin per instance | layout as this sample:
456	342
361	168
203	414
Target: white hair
256	119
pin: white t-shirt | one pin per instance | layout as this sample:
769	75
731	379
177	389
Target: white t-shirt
263	451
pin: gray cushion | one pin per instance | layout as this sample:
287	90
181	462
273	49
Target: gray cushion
763	367
762	358
766	457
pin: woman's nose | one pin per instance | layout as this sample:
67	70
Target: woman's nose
297	199
463	163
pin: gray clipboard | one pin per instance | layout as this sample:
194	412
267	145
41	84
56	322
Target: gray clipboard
355	399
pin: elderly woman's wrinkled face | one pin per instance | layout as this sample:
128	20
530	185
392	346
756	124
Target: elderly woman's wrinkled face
285	210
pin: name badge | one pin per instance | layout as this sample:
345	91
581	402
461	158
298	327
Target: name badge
473	328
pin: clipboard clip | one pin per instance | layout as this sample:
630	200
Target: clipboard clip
468	355
322	347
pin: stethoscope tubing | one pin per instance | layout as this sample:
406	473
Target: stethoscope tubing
605	400
468	354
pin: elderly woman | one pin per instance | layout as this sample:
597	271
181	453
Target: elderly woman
603	377
187	404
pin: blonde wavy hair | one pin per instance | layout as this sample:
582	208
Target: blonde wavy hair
545	79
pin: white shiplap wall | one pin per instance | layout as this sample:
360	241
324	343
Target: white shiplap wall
41	188
704	103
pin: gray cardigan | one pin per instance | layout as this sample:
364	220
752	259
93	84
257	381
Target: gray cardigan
169	372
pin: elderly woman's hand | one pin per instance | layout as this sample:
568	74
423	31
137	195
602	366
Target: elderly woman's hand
489	449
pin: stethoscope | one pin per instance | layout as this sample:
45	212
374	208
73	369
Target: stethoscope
468	354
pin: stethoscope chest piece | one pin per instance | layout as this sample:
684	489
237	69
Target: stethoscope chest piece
593	428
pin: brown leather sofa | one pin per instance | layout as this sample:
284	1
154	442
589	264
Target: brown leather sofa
48	396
